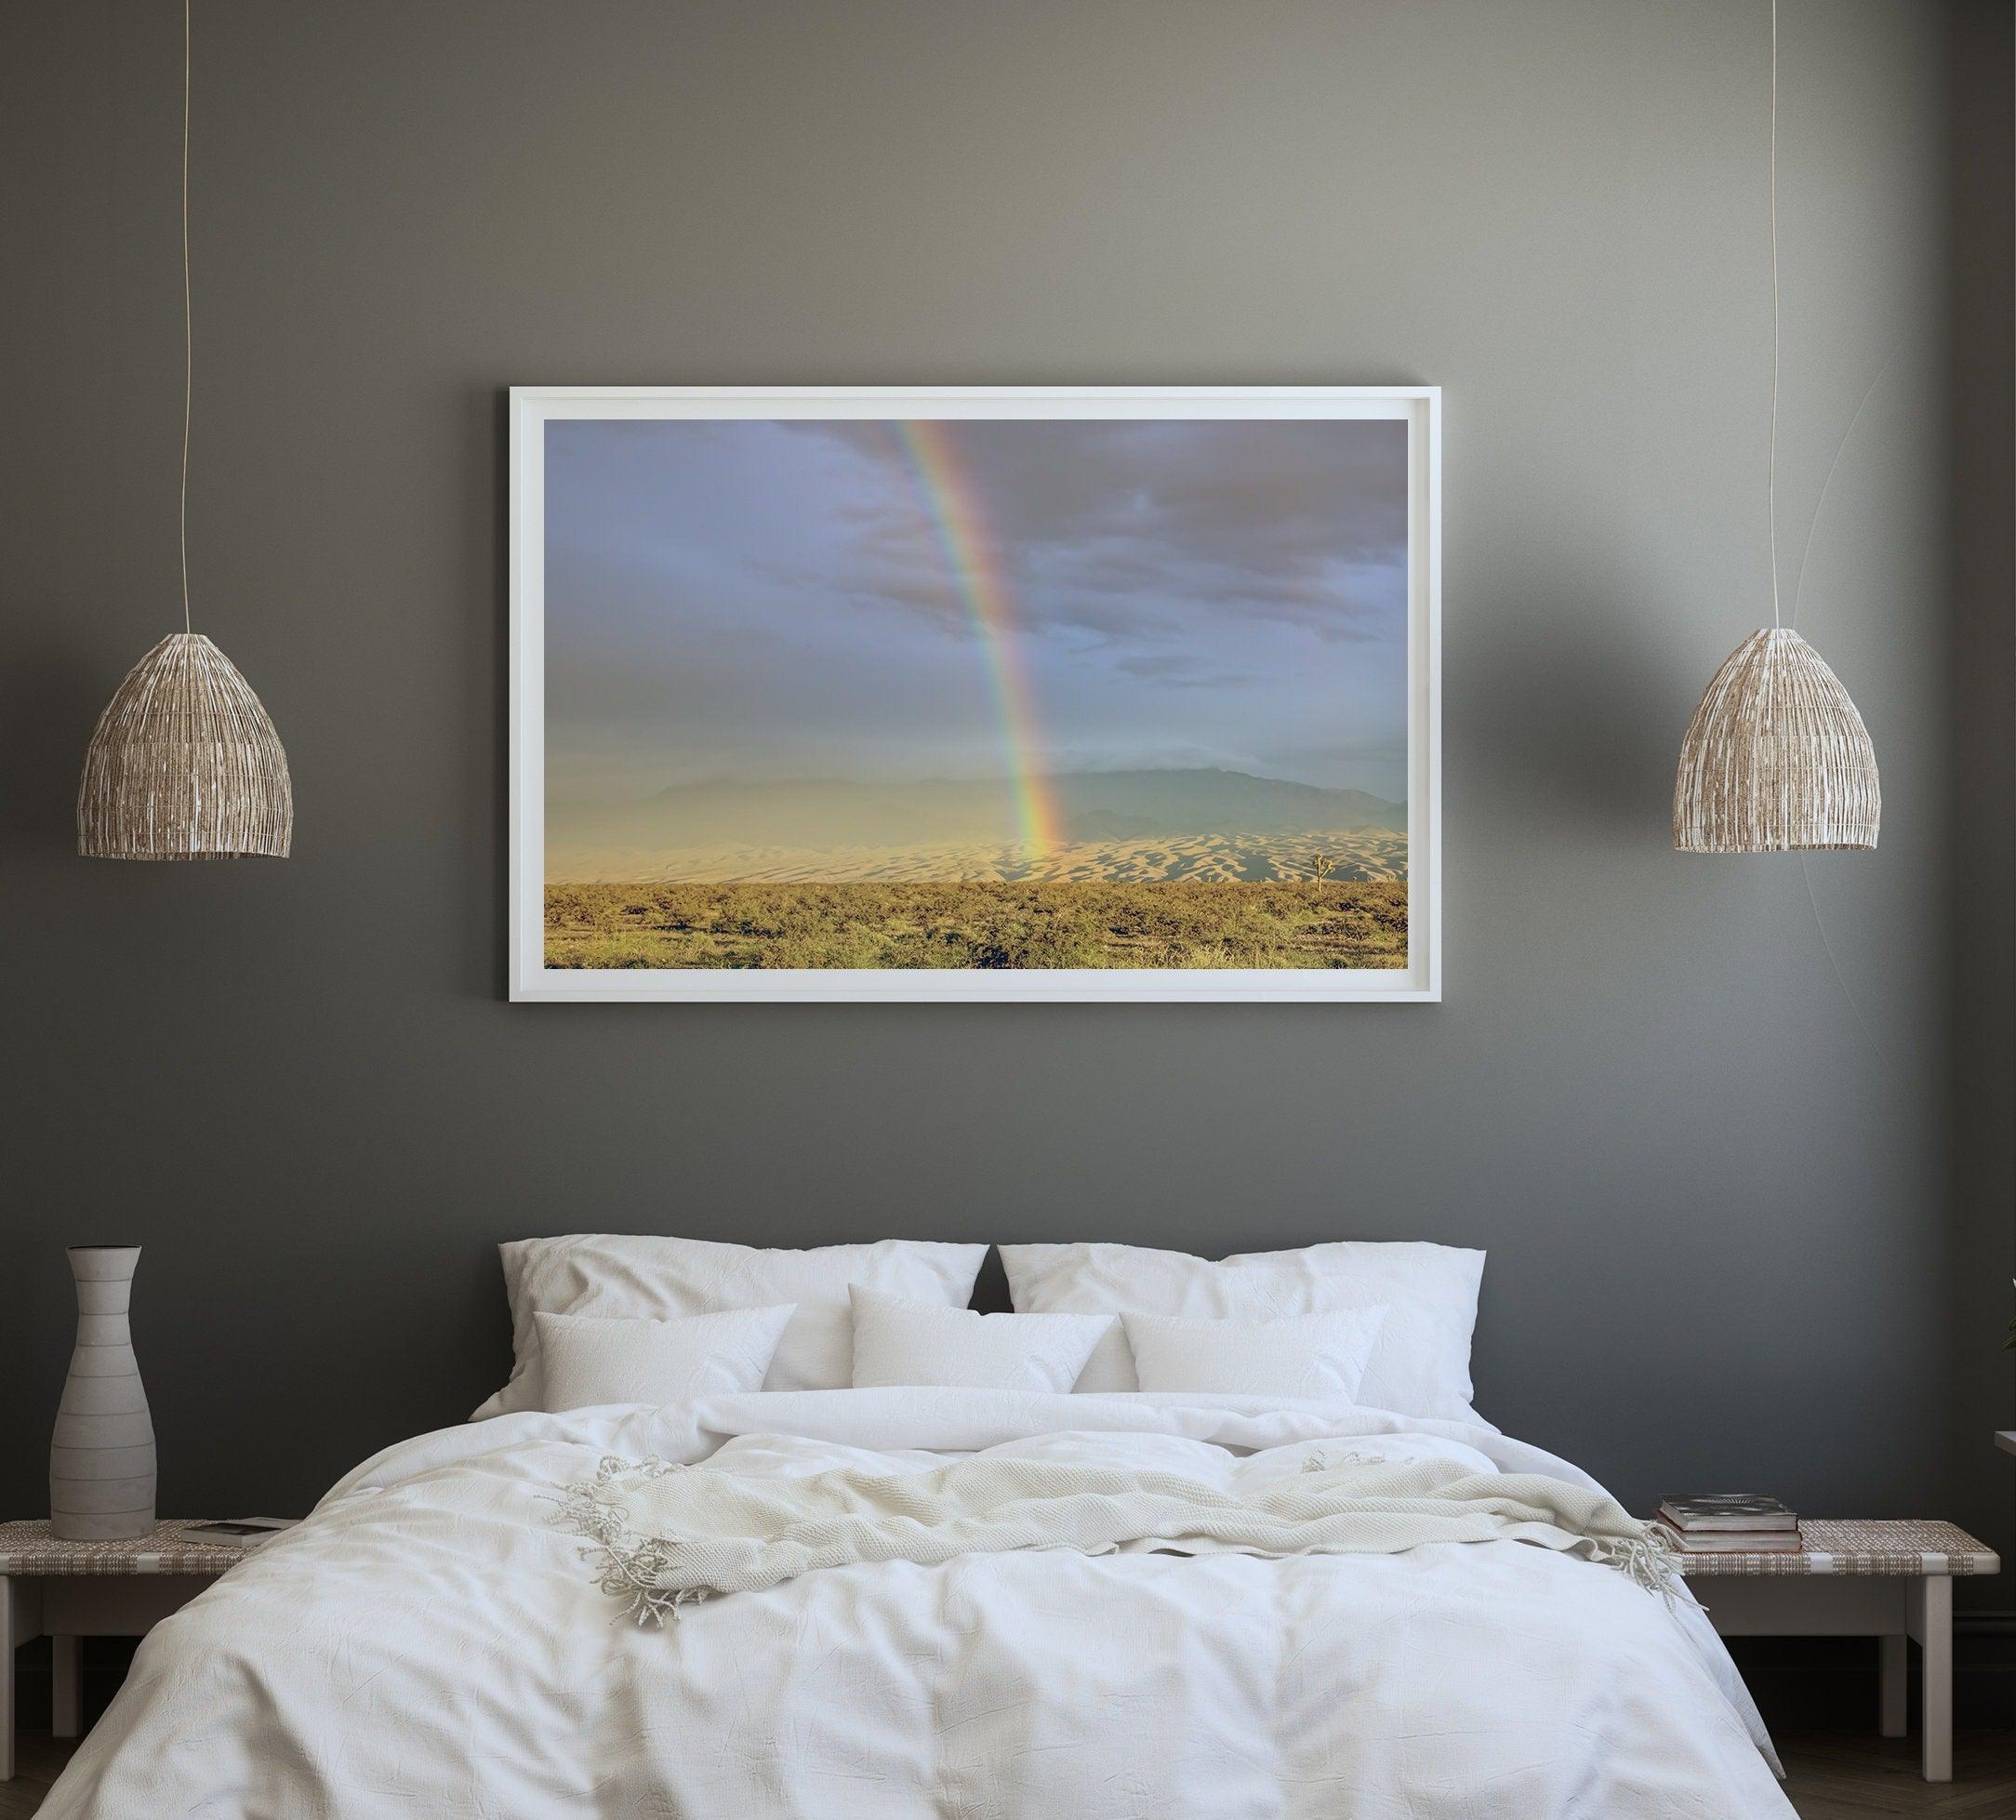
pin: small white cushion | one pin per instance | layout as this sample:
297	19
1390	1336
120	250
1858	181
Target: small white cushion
1420	1367
902	1342
1305	1355
589	1360
634	1274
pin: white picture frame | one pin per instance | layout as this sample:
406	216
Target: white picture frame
533	407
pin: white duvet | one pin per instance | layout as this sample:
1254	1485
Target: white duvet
431	1642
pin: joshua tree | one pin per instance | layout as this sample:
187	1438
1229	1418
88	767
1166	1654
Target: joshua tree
1321	866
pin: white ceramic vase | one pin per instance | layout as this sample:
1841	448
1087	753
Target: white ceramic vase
101	1459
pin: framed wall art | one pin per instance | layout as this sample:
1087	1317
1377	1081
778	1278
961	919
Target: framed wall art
975	693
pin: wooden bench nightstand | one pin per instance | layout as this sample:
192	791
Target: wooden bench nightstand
68	1590
1858	1578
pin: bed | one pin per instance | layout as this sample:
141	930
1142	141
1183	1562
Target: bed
444	1637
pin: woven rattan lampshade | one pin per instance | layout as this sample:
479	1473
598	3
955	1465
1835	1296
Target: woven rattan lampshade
185	764
1776	758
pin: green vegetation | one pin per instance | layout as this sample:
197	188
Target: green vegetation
1159	923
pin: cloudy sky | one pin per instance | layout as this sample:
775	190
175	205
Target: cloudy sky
773	601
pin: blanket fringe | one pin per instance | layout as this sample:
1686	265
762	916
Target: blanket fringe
628	1567
1647	1559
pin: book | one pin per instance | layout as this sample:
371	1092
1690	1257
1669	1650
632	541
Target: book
1736	1542
243	1531
1696	1512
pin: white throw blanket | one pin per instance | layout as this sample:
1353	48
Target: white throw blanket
664	1534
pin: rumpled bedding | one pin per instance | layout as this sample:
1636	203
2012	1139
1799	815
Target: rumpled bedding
429	1642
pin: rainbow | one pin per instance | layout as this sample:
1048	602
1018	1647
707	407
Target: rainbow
983	581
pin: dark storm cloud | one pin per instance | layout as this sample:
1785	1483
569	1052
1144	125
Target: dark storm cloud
1114	528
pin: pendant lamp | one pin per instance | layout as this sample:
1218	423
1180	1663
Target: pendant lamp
184	763
1775	758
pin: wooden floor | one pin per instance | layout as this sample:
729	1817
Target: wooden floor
1833	1776
1849	1775
37	1760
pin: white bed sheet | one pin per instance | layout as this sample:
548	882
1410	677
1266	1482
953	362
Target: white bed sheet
431	1642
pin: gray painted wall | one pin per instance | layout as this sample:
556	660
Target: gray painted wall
1735	1132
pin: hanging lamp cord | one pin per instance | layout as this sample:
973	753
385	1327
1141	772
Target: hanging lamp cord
1771	483
188	342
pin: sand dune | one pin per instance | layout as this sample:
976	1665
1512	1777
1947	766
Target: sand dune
1359	855
1109	810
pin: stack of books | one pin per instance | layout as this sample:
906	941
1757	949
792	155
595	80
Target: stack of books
1730	1523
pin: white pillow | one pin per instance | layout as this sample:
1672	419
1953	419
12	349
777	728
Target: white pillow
636	1275
586	1360
1421	1365
1301	1355
899	1342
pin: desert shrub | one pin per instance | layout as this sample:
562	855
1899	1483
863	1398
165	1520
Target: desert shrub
1026	925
